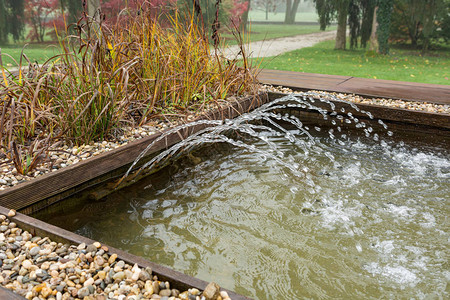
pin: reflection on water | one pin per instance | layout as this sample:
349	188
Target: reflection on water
365	220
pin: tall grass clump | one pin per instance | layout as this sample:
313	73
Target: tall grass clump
142	66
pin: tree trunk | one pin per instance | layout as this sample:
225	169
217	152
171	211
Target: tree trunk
342	25
373	44
267	11
3	23
294	11
288	9
367	22
93	8
244	19
291	11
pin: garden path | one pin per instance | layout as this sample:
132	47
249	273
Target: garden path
281	45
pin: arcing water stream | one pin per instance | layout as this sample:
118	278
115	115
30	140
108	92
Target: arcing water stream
280	210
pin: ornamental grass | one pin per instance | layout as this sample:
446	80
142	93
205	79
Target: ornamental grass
112	75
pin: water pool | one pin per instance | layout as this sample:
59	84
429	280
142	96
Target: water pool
360	218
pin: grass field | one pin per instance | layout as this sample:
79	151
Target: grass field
402	64
35	53
257	15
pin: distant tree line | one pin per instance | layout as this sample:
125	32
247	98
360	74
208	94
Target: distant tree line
378	21
41	17
372	23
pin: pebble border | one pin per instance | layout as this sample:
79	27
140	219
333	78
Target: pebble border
38	268
68	155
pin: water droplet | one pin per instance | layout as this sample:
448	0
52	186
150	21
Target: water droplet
358	247
294	190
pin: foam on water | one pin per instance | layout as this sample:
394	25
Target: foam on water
397	274
290	210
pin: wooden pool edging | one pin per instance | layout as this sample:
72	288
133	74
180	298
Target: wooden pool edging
69	178
54	186
392	114
366	87
9	295
177	279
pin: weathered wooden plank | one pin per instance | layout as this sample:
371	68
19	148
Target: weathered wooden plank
9	295
177	279
50	184
435	93
303	81
412	91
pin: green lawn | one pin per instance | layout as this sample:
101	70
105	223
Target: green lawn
260	32
257	15
35	53
401	64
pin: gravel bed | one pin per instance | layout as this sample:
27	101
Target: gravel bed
38	268
395	103
67	155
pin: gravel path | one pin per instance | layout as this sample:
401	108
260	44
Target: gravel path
281	45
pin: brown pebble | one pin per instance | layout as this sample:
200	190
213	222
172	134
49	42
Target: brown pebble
11	213
212	291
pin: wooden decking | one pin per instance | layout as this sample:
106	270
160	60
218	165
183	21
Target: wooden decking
433	93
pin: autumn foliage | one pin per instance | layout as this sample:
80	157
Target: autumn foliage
114	75
44	16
